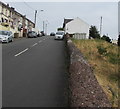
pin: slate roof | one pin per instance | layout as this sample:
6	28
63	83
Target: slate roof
66	21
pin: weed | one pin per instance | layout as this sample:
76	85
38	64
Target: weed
101	50
113	58
114	77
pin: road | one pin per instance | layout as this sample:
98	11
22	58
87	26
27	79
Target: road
34	73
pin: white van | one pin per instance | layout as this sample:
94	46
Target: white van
59	35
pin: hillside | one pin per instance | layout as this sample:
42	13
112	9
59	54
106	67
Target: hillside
104	59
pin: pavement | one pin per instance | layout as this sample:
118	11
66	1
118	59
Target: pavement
34	73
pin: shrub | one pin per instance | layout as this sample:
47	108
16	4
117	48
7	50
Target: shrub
101	50
106	38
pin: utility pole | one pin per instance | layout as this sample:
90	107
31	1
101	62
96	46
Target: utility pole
35	17
46	24
46	28
43	26
101	26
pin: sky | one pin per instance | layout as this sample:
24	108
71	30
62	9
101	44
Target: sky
55	12
119	17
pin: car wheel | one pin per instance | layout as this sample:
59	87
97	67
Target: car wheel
12	40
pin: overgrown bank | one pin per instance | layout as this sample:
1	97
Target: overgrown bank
104	58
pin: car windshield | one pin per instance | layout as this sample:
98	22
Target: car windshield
3	33
59	33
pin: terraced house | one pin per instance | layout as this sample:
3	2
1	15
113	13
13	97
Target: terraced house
11	20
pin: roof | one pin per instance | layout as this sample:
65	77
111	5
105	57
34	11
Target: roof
69	20
66	21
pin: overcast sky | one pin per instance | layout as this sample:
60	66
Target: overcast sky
119	17
55	12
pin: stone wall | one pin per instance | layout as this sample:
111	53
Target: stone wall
85	90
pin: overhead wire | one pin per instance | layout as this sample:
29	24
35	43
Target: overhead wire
28	5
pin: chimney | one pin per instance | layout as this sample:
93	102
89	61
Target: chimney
12	8
8	5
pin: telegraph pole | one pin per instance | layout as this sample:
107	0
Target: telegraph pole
46	25
35	17
101	26
46	28
43	26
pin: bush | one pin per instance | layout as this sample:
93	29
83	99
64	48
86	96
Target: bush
106	38
60	29
101	50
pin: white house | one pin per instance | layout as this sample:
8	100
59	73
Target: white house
77	27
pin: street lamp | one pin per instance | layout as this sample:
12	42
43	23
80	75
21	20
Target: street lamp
46	24
36	16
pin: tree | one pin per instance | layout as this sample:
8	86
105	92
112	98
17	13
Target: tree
119	40
93	32
106	38
60	29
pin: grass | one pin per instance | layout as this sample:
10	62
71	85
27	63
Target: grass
104	59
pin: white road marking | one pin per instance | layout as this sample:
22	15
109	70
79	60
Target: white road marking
21	52
34	44
40	41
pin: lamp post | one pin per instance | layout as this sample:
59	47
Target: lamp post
43	25
46	24
101	26
36	16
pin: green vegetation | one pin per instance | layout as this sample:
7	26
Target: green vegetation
101	50
93	32
60	29
119	40
106	38
104	58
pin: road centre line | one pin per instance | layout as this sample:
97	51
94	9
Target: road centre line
34	44
40	41
21	52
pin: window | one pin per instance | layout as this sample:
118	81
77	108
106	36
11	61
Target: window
2	20
6	12
3	33
2	10
9	33
10	14
60	33
5	20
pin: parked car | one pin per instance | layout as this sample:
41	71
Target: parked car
32	34
42	33
6	36
59	35
52	34
39	35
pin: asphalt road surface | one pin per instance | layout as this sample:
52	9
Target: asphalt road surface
34	73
